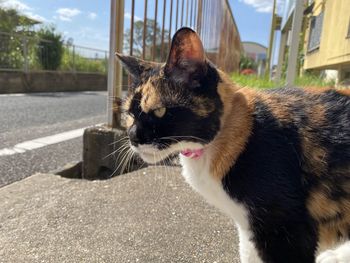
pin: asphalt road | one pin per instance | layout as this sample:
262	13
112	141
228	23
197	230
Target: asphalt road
27	117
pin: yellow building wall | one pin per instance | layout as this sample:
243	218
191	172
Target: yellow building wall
334	50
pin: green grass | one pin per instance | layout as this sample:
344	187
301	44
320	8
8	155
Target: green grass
310	80
264	83
253	81
82	64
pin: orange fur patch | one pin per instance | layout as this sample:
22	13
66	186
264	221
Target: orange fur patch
150	97
281	110
345	92
317	90
236	125
129	121
127	103
333	217
320	206
333	233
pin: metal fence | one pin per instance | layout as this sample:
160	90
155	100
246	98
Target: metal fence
212	19
24	53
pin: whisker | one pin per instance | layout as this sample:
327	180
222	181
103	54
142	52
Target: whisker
121	161
125	162
123	138
183	136
122	147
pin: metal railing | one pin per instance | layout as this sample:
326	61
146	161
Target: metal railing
24	53
212	19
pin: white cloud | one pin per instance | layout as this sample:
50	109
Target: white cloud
262	6
66	14
22	8
92	15
15	4
128	16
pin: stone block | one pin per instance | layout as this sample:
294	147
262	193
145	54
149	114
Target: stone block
106	153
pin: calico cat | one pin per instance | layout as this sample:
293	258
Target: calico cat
276	161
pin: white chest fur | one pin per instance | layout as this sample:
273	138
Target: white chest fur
197	174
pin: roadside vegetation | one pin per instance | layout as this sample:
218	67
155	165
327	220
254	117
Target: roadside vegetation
247	76
76	62
255	81
49	50
27	43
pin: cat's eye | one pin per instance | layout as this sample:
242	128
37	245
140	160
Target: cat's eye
160	112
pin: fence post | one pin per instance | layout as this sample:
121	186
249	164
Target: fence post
294	46
132	28
170	24
272	37
115	76
281	54
25	54
199	17
73	59
155	31
163	25
106	61
144	33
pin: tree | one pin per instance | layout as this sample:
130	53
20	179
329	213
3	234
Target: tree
11	21
138	39
50	50
15	32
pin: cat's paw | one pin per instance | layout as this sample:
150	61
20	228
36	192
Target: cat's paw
338	255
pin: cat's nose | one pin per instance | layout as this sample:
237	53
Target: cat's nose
134	139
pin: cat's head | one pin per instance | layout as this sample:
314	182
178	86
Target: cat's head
173	107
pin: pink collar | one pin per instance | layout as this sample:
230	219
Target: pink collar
194	154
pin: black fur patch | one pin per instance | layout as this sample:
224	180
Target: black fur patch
266	178
336	136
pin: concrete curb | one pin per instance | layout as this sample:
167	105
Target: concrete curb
150	215
105	153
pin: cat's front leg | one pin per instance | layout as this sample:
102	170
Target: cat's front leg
339	254
247	250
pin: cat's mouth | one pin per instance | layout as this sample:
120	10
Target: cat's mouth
152	155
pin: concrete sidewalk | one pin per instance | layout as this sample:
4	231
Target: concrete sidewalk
150	215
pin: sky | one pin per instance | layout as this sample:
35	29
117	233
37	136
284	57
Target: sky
87	21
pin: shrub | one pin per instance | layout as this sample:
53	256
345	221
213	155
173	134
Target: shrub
75	62
50	48
247	63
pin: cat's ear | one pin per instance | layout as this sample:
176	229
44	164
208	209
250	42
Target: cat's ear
132	65
186	61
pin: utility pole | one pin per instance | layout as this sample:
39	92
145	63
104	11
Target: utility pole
272	37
